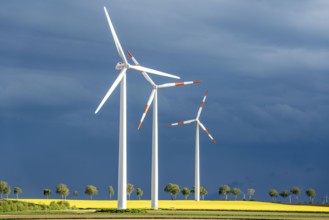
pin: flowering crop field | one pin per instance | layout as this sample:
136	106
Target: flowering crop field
190	205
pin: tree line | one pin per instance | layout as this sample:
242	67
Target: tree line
64	191
273	193
172	189
92	190
225	190
295	191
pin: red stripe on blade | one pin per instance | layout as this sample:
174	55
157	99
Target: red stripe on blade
202	104
129	54
179	83
146	108
196	81
139	125
181	123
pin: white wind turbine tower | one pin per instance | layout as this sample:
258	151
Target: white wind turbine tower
197	146
123	67
154	97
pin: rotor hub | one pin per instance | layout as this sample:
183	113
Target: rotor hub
120	66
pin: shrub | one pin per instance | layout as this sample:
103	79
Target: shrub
61	205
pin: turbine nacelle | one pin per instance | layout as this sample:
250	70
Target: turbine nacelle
121	66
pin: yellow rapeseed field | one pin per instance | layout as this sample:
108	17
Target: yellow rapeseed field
189	205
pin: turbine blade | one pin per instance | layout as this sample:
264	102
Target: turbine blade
114	85
178	84
146	76
207	132
115	37
182	122
152	71
149	102
202	104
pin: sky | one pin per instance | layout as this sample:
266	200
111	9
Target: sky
264	63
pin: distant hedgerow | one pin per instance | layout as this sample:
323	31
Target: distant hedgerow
18	206
122	211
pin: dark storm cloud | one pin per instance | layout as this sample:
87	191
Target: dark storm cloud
264	63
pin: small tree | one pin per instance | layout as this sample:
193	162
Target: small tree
168	188
310	194
111	191
17	191
186	192
62	190
224	190
130	189
203	192
139	193
76	193
236	192
273	194
173	189
250	192
3	186
284	194
295	190
7	191
91	190
47	193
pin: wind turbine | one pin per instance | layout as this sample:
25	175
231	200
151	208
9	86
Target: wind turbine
154	97
197	146
121	78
